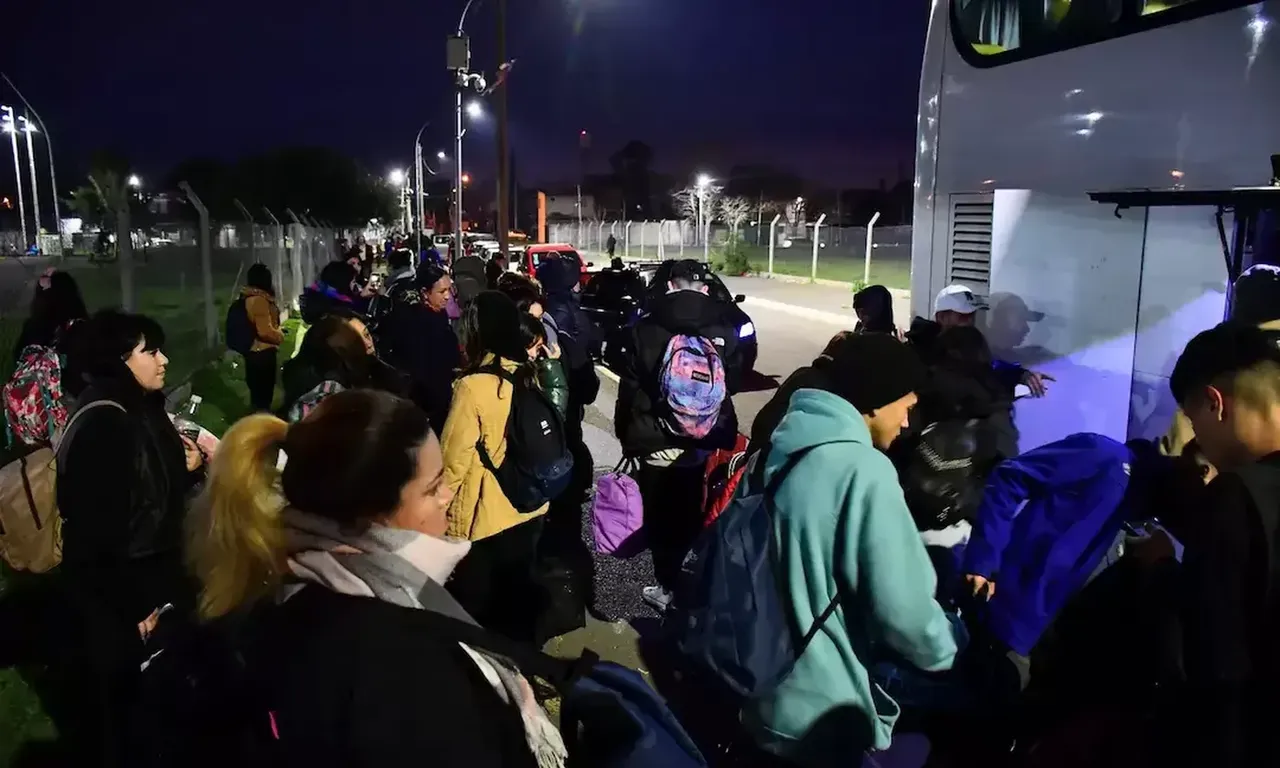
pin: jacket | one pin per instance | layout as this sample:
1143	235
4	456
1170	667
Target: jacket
261	308
573	330
1077	497
770	416
843	532
318	299
923	337
353	682
122	490
420	341
553	382
638	363
305	386
481	405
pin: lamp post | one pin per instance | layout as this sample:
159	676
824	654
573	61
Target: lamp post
10	126
704	181
399	180
29	129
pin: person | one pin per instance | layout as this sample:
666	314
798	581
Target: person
400	276
56	304
495	268
325	562
611	245
336	354
1227	381
417	338
812	376
528	296
264	315
874	307
548	372
335	288
122	488
496	583
847	552
469	277
955	306
670	468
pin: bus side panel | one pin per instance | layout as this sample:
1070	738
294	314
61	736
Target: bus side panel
1065	276
1184	283
926	235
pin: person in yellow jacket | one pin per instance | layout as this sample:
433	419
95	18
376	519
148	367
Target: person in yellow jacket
264	314
495	583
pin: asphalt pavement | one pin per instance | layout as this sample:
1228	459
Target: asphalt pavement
793	323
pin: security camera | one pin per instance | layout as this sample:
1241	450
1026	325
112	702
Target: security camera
478	83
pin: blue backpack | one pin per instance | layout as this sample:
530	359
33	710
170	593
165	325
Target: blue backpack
239	330
732	624
691	381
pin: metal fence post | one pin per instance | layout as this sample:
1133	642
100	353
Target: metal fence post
626	240
817	226
682	223
295	258
277	242
206	267
866	271
643	226
773	225
253	240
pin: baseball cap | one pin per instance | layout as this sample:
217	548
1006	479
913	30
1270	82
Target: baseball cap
957	298
1256	295
1220	351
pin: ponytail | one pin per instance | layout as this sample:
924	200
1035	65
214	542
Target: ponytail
235	539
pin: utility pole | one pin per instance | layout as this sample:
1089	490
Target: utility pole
504	156
10	125
29	129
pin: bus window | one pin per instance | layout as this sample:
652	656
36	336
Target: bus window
990	32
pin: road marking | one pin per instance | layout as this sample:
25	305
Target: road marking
833	318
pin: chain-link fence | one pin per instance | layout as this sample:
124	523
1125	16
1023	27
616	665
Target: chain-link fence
165	273
840	255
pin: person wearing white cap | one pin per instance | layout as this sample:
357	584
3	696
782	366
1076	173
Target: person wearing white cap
958	305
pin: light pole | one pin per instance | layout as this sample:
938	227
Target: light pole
28	129
704	182
458	61
48	145
10	126
398	179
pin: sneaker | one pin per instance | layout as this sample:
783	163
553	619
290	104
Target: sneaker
657	597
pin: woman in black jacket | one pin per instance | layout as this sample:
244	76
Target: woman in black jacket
337	353
124	476
342	552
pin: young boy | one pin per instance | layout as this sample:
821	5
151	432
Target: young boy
1227	382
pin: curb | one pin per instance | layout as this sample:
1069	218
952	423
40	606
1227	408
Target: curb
822	316
897	293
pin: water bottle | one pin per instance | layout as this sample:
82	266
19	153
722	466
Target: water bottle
185	418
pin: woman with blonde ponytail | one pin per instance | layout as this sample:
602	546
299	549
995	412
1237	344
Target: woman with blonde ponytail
327	562
235	538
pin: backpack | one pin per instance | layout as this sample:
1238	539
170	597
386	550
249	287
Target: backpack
610	717
943	473
240	333
725	469
691	384
731	625
617	515
30	526
538	465
469	279
35	405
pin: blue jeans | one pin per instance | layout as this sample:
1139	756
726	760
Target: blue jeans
914	688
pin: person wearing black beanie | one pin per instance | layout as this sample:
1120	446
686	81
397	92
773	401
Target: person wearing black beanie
416	337
495	582
852	570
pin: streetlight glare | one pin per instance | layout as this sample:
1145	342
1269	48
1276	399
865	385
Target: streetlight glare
396	177
442	156
134	181
466	178
474	109
703	180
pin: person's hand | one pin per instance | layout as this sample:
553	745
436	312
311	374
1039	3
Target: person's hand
368	292
194	457
1035	381
553	351
981	585
148	625
1150	550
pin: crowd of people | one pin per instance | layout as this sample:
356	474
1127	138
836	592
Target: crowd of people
928	582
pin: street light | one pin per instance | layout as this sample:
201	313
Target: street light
474	110
134	181
441	156
704	181
9	125
396	177
466	178
29	129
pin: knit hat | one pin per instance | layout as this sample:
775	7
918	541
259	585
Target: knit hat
498	321
874	370
1222	350
1256	295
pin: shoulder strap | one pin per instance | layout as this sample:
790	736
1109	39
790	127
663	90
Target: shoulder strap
65	437
496	369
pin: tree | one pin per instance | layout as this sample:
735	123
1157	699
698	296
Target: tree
734	211
631	170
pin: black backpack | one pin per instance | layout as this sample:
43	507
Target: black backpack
943	471
239	331
538	465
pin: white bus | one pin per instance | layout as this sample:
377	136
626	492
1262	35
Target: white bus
1025	108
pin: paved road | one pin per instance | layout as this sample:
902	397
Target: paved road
793	323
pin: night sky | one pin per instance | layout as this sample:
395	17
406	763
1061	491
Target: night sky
823	88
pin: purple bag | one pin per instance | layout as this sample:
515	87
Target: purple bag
452	310
617	514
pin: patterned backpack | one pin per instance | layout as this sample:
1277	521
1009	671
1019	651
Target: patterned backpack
35	407
691	382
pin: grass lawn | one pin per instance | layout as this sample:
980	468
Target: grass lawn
226	399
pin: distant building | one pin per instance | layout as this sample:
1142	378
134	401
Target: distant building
562	207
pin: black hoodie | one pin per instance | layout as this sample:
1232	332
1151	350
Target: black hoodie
638	360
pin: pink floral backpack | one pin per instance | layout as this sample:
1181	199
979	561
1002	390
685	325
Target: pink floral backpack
35	405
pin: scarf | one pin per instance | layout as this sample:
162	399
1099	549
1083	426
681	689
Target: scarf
408	568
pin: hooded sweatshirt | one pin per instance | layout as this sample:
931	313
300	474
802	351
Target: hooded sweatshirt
842	529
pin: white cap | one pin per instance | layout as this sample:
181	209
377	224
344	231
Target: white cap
958	298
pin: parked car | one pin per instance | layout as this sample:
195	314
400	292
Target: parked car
615	299
540	252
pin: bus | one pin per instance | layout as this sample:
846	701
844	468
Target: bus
1163	112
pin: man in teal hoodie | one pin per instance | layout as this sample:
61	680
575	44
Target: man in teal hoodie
844	534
